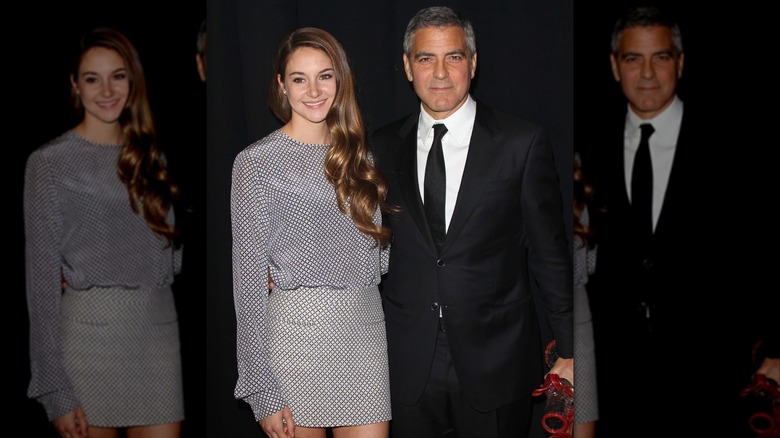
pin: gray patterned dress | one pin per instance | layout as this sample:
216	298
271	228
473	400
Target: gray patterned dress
316	343
585	399
110	341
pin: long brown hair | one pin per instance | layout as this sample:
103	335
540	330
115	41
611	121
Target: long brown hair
583	194
141	165
360	187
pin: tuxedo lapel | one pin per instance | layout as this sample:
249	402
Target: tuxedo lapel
680	178
481	158
406	167
617	165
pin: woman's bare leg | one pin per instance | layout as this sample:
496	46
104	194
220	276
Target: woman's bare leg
584	430
309	432
169	430
102	432
374	430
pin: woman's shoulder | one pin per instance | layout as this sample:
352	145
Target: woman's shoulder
55	148
264	145
65	144
259	152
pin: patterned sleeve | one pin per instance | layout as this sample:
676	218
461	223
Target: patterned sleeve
384	250
43	228
178	258
178	248
385	255
250	221
591	251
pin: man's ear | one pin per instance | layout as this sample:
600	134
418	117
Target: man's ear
408	68
473	65
615	69
680	63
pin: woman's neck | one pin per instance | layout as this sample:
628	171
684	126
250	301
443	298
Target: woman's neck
103	133
311	133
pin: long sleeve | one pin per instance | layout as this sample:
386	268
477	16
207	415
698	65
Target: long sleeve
549	257
43	223
250	222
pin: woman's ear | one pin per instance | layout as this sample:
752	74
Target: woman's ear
74	85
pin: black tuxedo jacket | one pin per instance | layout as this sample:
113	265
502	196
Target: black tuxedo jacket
703	308
507	229
668	272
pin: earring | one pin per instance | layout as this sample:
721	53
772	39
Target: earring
285	92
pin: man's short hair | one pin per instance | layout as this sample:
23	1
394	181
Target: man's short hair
439	16
646	16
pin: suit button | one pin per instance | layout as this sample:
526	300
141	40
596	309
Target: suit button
440	263
647	263
435	306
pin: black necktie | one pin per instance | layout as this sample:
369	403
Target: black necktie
642	183
435	187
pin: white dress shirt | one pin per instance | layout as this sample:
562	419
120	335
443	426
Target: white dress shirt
455	145
663	143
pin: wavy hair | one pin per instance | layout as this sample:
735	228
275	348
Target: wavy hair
141	165
583	194
349	166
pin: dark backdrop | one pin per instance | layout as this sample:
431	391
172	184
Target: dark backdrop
41	44
524	68
726	74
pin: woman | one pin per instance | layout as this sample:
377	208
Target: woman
306	209
100	259
586	411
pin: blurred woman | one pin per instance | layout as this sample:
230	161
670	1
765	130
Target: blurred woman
100	258
586	408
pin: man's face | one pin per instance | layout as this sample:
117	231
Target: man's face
648	67
440	69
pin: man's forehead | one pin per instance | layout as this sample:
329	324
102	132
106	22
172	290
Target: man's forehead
655	38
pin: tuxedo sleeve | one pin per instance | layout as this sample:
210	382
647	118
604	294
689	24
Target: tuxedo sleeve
549	259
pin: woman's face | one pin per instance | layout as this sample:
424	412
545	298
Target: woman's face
310	84
102	85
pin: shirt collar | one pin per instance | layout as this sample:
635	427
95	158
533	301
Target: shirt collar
668	120
459	123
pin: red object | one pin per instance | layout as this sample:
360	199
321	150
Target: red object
558	418
764	424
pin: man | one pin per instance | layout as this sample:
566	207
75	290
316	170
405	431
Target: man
463	334
667	351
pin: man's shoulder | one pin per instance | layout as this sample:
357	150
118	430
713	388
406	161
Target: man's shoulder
499	121
395	127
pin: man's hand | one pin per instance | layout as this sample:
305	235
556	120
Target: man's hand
564	368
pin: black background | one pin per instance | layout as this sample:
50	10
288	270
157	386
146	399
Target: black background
42	39
545	61
524	67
